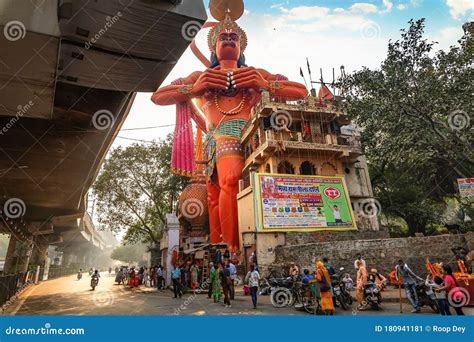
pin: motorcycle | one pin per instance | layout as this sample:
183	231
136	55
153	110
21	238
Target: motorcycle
343	297
372	296
94	282
79	275
424	299
283	291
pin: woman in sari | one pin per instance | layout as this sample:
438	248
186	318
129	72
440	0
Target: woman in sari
216	283
324	281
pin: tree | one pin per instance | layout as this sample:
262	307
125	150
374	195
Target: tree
136	189
414	121
129	253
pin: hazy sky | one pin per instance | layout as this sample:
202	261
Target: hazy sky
330	33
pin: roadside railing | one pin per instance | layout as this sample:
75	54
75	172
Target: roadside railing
57	272
12	284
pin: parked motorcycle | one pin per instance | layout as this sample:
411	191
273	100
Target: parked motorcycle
343	297
282	291
424	299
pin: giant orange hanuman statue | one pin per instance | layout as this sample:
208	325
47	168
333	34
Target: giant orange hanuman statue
225	94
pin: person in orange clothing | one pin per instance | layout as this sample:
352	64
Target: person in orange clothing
361	281
324	281
379	280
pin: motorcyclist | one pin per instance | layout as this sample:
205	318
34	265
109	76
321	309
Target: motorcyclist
96	275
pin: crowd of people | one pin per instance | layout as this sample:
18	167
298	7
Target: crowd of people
147	276
438	288
219	280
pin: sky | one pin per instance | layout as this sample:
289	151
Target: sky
330	33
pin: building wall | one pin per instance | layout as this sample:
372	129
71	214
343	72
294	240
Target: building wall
357	179
382	254
245	214
170	242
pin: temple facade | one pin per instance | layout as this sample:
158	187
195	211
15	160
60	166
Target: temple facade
307	137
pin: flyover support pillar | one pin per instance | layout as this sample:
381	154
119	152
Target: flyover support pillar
18	255
40	255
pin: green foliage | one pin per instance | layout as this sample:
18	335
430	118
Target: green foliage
413	113
129	253
136	189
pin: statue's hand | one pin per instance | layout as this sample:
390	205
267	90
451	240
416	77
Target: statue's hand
250	77
209	80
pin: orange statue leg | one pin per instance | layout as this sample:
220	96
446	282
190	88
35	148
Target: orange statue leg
213	206
230	171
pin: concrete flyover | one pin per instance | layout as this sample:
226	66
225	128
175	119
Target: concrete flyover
69	73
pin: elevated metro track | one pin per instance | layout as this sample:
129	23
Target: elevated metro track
69	71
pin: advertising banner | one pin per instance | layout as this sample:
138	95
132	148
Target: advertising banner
466	187
302	203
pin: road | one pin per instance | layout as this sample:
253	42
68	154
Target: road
69	296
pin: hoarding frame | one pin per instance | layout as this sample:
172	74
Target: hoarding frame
259	212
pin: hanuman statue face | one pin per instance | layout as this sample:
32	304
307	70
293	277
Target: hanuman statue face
228	46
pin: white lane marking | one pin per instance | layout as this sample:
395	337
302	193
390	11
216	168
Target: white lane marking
20	304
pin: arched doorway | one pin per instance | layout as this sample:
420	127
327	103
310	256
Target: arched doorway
307	168
286	167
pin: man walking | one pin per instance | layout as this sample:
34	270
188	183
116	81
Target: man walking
225	282
409	280
160	277
175	277
233	275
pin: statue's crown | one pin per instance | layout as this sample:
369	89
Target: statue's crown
229	26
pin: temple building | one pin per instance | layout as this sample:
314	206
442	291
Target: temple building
310	139
305	137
